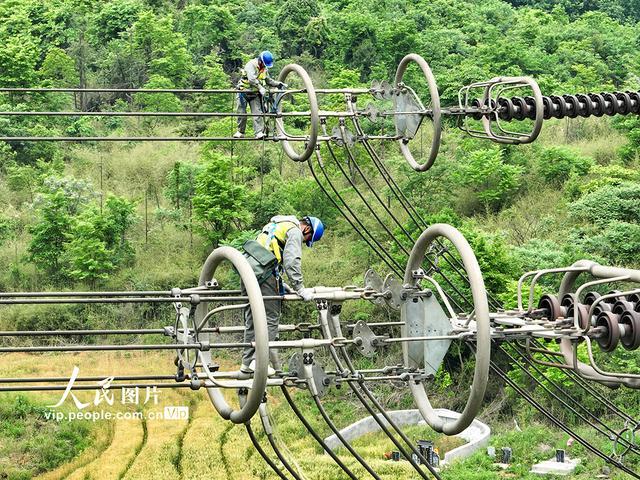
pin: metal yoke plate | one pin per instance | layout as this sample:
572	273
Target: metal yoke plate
424	317
373	281
366	335
394	286
407	124
320	378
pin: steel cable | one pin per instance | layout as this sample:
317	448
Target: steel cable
524	394
341	372
262	453
587	387
378	251
408	206
393	217
315	435
564	402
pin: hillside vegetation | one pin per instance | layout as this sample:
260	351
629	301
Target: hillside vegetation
143	216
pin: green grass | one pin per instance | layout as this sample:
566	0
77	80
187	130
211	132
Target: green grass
30	443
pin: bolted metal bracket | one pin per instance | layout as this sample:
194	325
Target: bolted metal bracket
381	90
373	281
394	287
424	317
368	342
347	139
321	380
371	112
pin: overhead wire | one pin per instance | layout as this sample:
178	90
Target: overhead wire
399	195
588	417
558	423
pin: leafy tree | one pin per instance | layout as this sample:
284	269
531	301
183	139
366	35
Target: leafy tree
8	227
58	69
631	126
180	183
62	198
539	254
600	176
293	18
609	204
163	49
158	102
618	242
27	179
209	29
361	36
113	18
317	34
86	255
216	78
18	57
121	65
96	244
220	202
556	164
49	234
118	217
22	179
488	177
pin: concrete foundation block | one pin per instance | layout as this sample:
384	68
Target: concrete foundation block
551	467
476	435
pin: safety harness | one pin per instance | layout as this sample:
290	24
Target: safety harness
274	237
244	79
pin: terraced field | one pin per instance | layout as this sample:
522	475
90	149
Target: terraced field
204	447
207	447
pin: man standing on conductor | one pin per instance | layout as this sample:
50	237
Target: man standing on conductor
254	80
283	237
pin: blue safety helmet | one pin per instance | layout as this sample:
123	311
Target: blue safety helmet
266	58
317	229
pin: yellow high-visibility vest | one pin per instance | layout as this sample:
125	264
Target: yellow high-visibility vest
274	237
244	80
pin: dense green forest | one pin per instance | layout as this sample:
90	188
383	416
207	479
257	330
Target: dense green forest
133	215
75	213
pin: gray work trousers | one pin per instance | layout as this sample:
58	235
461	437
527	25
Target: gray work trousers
274	312
255	102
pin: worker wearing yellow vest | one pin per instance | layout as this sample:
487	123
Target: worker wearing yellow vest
283	236
254	80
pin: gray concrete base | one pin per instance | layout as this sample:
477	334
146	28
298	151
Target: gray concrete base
476	435
551	467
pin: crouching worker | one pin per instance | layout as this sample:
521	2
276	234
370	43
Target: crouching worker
278	250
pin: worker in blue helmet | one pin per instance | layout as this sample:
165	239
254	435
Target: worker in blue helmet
253	82
283	237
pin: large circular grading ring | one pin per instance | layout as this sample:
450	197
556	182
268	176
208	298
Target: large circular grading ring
483	338
312	139
435	116
256	304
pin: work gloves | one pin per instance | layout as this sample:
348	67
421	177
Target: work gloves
306	294
282	86
262	91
